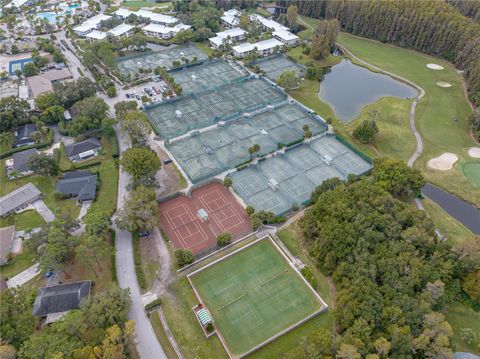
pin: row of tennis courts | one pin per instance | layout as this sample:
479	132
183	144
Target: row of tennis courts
285	181
195	111
212	152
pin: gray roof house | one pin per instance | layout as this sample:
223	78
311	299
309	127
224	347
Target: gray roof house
18	199
22	135
59	299
6	239
79	184
84	149
21	160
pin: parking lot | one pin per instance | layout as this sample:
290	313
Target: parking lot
156	91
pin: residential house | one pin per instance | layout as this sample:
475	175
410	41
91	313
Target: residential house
39	84
261	48
18	199
81	185
7	234
20	163
23	135
55	301
227	36
83	150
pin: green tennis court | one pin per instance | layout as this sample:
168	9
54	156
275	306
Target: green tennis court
254	295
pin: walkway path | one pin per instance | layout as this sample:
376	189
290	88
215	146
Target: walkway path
421	93
164	275
43	210
23	277
170	337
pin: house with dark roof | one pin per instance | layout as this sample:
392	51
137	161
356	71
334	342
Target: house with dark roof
83	150
23	135
55	301
20	162
81	185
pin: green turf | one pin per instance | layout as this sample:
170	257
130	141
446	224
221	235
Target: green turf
462	316
253	295
435	114
471	171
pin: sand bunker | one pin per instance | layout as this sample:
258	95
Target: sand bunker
474	152
434	67
444	162
444	84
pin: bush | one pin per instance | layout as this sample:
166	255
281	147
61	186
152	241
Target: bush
62	128
137	258
224	239
209	327
307	274
365	132
250	210
58	196
227	182
183	257
113	261
85	165
156	303
114	142
56	155
111	91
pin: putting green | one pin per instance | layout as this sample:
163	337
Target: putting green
254	295
471	171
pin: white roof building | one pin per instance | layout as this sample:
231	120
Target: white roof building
122	29
19	3
90	24
263	47
267	23
227	36
164	32
285	36
96	35
232	12
123	13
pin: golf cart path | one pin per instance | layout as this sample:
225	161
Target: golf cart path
421	93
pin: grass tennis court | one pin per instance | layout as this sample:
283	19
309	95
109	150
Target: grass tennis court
254	295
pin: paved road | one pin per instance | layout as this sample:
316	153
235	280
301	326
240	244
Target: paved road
147	344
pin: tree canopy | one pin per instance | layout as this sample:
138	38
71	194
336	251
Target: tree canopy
139	212
140	162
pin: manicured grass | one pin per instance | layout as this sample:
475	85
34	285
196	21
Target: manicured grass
23	221
296	53
446	224
46	185
204	47
435	113
253	295
136	4
471	171
161	335
394	139
462	316
21	262
177	307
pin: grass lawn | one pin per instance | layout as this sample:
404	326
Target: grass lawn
17	264
23	221
204	47
254	295
462	316
137	4
446	224
435	113
46	185
108	171
177	307
161	335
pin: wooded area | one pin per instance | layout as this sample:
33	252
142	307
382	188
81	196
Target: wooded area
440	29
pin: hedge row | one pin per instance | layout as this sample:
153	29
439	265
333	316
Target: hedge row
137	258
114	142
157	302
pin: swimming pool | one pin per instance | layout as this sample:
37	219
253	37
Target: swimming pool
58	17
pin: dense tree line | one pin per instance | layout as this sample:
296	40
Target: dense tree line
432	27
393	275
467	7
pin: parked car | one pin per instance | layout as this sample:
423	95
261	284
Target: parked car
143	234
167	161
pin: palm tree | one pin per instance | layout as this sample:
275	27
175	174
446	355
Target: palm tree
36	136
14	174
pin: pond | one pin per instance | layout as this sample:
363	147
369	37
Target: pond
347	88
464	212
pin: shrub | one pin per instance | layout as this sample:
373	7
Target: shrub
227	182
224	239
58	196
209	327
365	132
111	91
250	210
85	165
307	274
56	155
142	282
114	142
157	302
183	257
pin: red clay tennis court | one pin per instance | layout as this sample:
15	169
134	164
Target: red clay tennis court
194	223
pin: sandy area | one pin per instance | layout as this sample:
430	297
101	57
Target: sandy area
474	152
444	162
434	67
444	84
